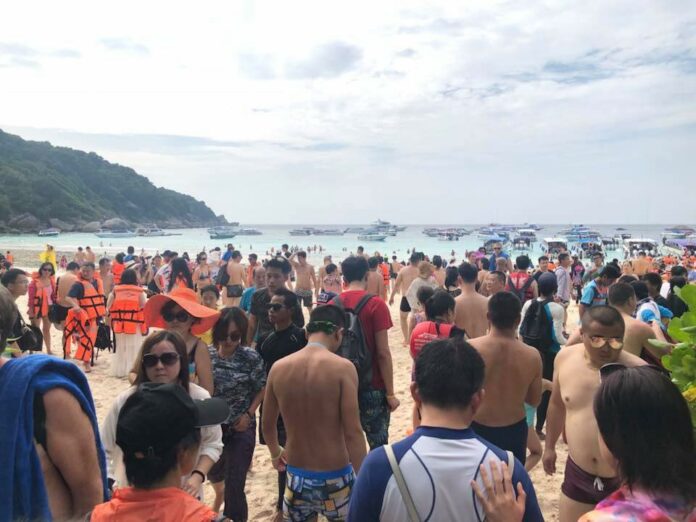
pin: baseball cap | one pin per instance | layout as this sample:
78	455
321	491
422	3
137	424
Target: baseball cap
158	416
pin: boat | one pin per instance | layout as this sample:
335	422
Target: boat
306	231
611	243
681	229
223	232
586	248
249	232
155	231
527	233
116	233
493	240
212	230
49	232
522	243
448	236
372	236
677	247
355	230
328	232
385	227
633	246
554	245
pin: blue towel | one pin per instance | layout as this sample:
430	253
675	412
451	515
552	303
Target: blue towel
22	490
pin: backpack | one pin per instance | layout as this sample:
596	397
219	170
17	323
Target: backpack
222	277
536	326
521	293
354	345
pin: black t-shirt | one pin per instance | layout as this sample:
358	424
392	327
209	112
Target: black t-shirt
259	308
281	343
661	301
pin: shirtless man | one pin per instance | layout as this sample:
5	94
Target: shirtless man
316	393
106	276
641	264
394	268
495	282
403	281
439	273
513	378
306	280
588	477
235	285
80	257
375	280
90	257
471	308
65	283
322	271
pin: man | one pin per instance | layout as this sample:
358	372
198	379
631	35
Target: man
64	284
325	443
394	268
595	293
439	461
90	257
165	271
513	378
403	281
471	308
376	399
107	278
641	265
322	272
498	253
542	268
520	282
258	281
361	252
439	273
253	264
495	282
593	271
375	281
564	279
306	285
277	272
16	281
228	253
235	284
88	306
654	283
79	256
130	254
41	474
589	478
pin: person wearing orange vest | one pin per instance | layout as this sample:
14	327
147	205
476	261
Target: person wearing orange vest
125	315
87	299
42	294
117	268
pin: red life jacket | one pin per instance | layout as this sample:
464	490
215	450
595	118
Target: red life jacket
126	312
425	332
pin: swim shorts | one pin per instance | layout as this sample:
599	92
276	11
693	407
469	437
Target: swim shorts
57	313
304	297
309	493
511	438
374	416
235	291
404	306
580	486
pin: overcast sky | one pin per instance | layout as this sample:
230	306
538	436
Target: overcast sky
412	111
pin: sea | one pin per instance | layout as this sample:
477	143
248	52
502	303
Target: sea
195	240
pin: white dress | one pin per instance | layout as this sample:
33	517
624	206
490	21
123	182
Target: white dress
127	349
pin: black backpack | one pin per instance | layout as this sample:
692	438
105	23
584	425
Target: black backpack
354	345
537	326
520	292
222	277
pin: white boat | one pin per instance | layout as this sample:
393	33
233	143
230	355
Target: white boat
213	230
114	234
223	232
307	231
632	246
372	236
328	232
249	232
522	243
49	232
554	245
527	233
448	236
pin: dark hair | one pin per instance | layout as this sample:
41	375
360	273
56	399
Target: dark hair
230	315
211	288
504	309
424	293
329	312
678	281
627	278
289	297
563	256
448	373
415	257
645	423
49	265
468	272
610	271
253	256
620	293
236	254
354	268
438	304
11	276
451	275
130	250
330	268
302	253
547	285
284	245
72	265
199	257
361	248
437	261
102	262
604	315
279	263
119	257
653	279
149	343
500	276
180	270
129	277
485	263
543	258
373	262
641	290
522	262
678	270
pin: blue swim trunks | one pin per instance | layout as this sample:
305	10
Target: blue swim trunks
309	493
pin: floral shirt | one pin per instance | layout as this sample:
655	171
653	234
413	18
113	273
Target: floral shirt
635	506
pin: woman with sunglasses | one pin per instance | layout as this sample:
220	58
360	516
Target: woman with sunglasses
162	360
180	311
240	379
42	294
201	274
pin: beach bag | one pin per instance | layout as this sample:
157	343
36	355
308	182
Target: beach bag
354	345
536	326
222	277
31	338
103	341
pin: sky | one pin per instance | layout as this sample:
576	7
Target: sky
342	112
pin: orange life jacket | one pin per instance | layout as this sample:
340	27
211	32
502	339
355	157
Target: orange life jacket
117	271
92	300
83	331
126	312
42	296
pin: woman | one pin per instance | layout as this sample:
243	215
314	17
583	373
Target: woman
201	275
151	272
180	275
484	266
417	314
332	280
42	294
125	316
577	272
180	311
240	379
451	277
210	295
162	359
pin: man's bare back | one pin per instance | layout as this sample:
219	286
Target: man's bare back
636	336
471	313
404	278
65	283
375	283
304	276
236	272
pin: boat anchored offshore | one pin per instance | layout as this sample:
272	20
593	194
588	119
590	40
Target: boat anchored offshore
372	236
223	232
306	231
116	233
49	232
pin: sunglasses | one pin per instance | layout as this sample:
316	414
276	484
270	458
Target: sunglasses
606	370
276	306
204	258
496	248
150	360
181	316
234	337
46	270
597	341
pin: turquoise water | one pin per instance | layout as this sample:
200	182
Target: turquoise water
193	240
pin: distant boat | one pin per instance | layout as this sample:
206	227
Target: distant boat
328	232
448	236
223	232
114	234
372	236
212	230
49	232
355	230
554	245
631	246
522	243
249	232
306	231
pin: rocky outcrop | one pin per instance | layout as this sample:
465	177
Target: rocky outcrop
92	226
61	225
25	222
116	223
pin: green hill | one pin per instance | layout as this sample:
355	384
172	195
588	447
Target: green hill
43	185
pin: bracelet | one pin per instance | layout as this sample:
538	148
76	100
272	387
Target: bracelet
199	472
280	453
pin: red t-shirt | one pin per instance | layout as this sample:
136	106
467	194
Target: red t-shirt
374	317
425	332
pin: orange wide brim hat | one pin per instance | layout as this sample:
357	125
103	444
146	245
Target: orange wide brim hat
186	299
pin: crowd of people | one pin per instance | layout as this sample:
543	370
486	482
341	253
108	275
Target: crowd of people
217	351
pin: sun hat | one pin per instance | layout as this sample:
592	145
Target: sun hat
186	299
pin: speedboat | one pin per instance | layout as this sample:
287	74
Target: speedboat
223	232
527	233
448	236
49	232
233	224
631	247
588	247
328	232
611	243
372	236
554	245
114	234
493	240
522	243
354	230
249	232
306	231
677	247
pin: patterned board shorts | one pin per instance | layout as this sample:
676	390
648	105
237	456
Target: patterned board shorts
374	416
309	493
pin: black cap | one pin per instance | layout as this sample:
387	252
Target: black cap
158	416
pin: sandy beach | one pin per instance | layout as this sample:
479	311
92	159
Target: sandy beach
261	484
